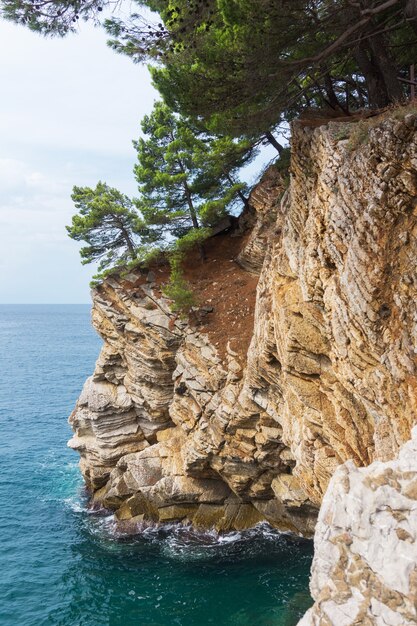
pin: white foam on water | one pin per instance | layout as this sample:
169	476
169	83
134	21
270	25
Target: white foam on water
176	541
75	505
174	535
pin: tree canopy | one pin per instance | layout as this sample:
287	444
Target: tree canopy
107	223
187	179
240	67
258	63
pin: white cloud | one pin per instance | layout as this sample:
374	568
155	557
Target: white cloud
73	92
18	177
68	113
11	171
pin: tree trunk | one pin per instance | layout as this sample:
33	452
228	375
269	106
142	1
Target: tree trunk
131	247
127	239
244	199
377	93
382	59
193	215
274	142
411	14
359	90
331	96
191	208
239	193
373	59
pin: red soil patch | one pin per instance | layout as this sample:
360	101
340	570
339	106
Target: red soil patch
219	282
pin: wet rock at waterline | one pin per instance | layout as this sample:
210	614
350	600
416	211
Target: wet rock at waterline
179	423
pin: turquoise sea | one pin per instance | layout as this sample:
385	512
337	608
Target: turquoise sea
62	565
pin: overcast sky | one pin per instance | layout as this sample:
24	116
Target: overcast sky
69	109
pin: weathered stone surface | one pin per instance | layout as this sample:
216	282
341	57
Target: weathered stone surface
365	563
340	338
126	401
330	373
265	218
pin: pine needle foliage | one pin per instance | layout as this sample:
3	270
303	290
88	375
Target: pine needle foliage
107	223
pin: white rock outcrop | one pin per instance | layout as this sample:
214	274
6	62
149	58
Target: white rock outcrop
365	562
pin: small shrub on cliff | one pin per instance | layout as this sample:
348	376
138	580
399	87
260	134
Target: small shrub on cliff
283	163
152	256
342	131
177	289
359	135
195	238
360	130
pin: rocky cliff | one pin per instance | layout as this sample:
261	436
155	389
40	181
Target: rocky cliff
180	421
169	426
365	563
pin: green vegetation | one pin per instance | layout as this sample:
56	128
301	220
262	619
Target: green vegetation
241	67
356	129
186	178
342	131
230	73
358	135
177	289
188	181
107	223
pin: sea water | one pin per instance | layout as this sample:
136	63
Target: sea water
63	565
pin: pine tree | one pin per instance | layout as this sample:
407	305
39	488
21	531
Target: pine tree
220	162
107	223
187	179
240	67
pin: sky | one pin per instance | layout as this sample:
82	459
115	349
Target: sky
69	110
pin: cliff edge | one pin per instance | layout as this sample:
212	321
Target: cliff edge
184	421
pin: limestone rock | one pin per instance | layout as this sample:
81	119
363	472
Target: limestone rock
330	374
365	562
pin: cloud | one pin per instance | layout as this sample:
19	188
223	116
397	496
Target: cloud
11	172
68	113
18	177
72	93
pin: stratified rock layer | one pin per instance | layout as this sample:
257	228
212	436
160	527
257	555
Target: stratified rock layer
168	430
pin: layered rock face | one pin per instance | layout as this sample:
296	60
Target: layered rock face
168	429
